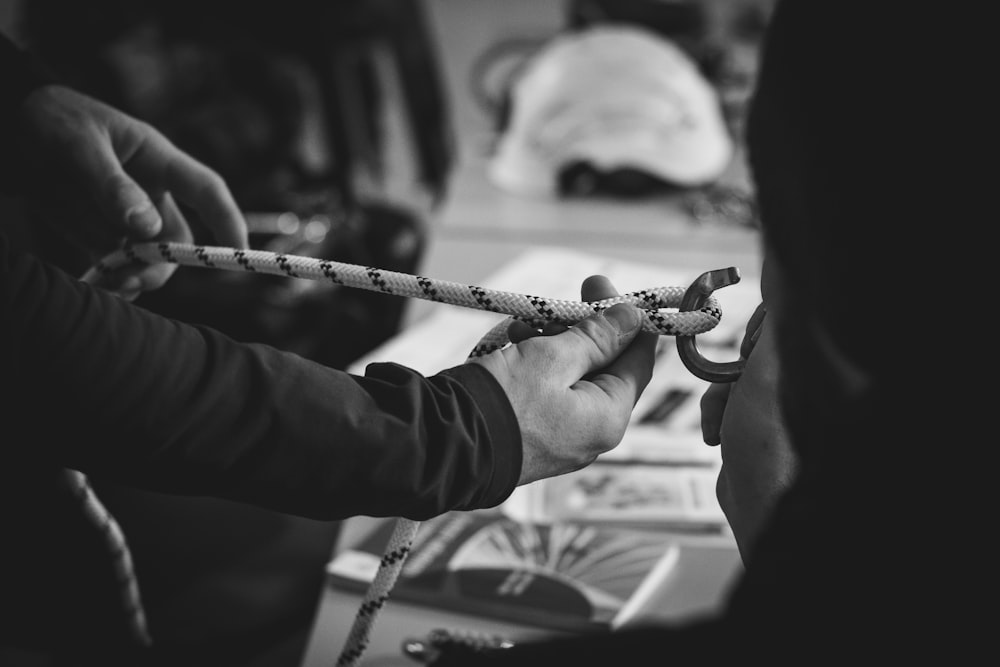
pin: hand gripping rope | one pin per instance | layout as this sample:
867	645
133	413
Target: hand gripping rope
695	311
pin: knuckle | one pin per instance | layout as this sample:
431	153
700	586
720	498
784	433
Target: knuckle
596	331
212	181
118	186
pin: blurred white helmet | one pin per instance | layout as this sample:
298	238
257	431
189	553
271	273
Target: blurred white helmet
612	97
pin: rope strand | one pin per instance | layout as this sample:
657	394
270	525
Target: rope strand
121	557
536	311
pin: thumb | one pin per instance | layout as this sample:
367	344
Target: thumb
126	205
604	335
626	321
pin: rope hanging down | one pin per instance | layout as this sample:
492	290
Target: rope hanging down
536	311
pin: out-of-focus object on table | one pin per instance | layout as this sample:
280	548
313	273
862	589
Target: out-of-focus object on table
602	107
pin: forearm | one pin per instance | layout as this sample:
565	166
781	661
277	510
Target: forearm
114	390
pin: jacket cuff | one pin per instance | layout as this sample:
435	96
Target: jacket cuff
504	429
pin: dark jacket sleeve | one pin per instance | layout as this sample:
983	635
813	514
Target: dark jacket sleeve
20	73
97	384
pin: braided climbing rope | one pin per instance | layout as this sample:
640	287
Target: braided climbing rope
122	557
536	311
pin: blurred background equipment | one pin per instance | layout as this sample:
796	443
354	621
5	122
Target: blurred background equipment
611	103
717	39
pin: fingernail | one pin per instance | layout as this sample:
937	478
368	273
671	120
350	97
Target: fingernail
624	317
144	219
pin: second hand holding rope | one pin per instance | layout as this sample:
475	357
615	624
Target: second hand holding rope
534	310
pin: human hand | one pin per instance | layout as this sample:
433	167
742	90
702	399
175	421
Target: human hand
106	177
574	391
758	462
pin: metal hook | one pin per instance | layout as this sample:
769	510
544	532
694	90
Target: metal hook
694	298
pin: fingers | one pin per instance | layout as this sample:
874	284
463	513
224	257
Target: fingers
598	340
120	199
201	188
629	374
127	164
159	166
175	229
600	348
573	392
713	405
595	288
130	281
519	331
716	397
626	377
83	135
752	332
608	350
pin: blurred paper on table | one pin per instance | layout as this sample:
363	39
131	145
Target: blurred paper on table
556	575
680	498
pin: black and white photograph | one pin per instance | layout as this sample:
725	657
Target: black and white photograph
461	333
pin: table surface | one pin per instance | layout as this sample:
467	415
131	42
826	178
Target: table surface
474	234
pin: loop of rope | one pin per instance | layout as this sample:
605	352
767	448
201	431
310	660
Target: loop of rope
536	311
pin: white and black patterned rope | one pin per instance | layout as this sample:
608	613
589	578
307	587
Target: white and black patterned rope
656	303
393	558
112	535
536	311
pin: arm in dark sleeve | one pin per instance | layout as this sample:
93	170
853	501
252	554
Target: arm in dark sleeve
20	73
106	387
